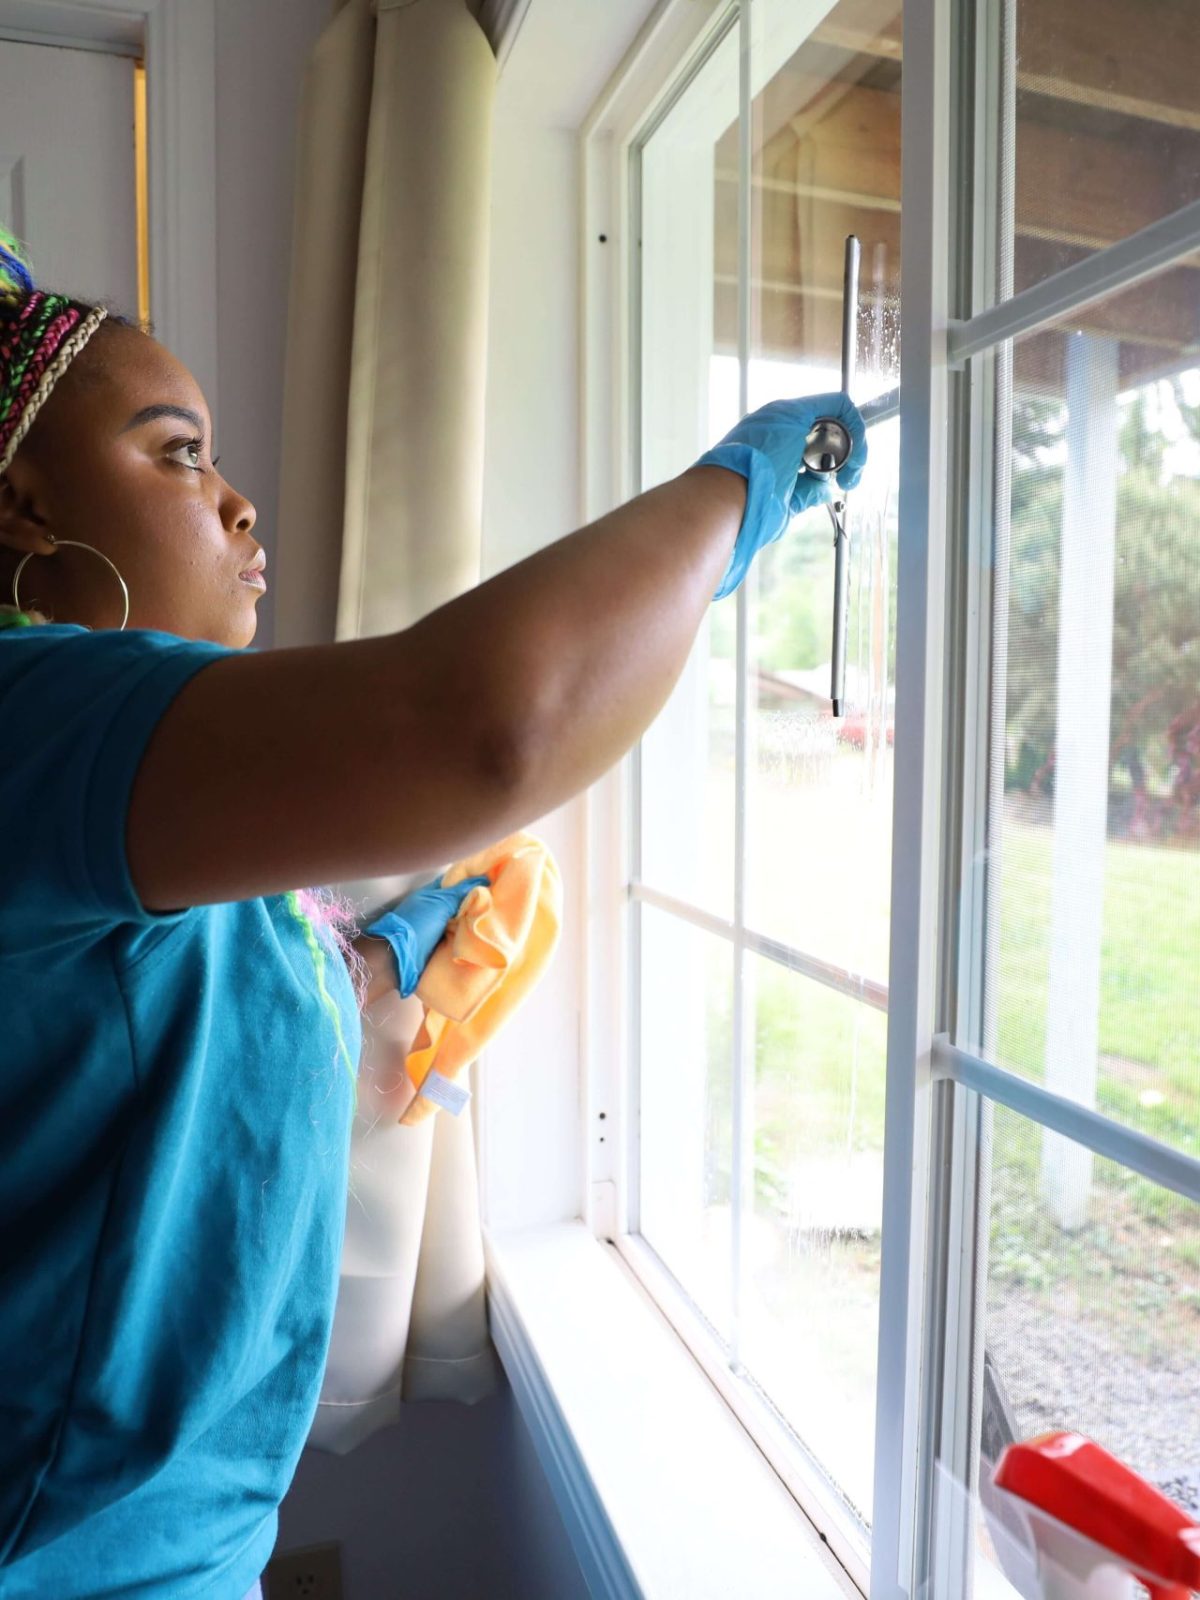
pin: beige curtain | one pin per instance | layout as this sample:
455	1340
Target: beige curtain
380	508
411	1321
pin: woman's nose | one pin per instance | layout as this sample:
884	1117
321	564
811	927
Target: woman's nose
237	513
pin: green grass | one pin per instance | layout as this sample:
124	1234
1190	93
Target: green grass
820	1073
820	1058
820	1062
1135	1262
1150	977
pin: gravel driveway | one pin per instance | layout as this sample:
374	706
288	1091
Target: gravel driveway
1062	1371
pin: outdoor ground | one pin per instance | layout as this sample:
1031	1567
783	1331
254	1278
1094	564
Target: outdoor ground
1099	1330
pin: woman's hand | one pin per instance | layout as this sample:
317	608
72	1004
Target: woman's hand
417	925
396	954
767	449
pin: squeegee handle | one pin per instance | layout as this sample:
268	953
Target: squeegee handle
841	540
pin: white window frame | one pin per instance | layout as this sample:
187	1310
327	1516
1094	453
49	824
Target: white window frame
177	41
937	1095
658	68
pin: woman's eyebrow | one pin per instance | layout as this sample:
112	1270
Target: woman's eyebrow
152	413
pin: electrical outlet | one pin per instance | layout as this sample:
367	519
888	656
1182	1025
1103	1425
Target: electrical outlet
314	1573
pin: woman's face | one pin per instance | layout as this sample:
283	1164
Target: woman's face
120	458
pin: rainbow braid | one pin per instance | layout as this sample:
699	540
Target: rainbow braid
317	952
40	335
16	280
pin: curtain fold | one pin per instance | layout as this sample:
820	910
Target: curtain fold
380	522
414	448
331	151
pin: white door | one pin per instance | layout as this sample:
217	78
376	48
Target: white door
67	171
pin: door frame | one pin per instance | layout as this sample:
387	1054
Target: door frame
177	41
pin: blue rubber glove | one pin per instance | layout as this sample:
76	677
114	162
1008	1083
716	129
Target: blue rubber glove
416	926
767	448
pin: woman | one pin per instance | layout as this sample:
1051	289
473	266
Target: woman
182	1032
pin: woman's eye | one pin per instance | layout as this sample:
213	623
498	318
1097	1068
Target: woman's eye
192	450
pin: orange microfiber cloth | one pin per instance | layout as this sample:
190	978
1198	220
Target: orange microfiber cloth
493	953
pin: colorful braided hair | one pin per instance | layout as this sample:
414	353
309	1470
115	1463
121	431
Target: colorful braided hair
40	334
313	908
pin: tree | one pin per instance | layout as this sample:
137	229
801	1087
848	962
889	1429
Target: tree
1155	718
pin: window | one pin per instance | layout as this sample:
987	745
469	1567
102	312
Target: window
1079	940
916	1045
763	827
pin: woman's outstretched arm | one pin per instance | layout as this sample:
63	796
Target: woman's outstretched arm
386	755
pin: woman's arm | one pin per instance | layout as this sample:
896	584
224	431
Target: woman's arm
387	755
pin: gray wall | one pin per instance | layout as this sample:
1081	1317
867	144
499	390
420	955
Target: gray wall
450	1504
262	47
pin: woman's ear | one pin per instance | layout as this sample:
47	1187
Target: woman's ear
23	524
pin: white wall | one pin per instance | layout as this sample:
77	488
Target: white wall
450	1504
531	1095
530	1090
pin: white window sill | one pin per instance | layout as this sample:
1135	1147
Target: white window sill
663	1493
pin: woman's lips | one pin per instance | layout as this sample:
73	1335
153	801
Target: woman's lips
254	579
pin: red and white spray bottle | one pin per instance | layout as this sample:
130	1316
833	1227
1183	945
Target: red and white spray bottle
1093	1529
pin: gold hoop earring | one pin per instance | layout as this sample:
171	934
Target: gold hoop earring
78	546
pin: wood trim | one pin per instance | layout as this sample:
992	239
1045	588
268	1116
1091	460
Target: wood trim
1073	184
1078	52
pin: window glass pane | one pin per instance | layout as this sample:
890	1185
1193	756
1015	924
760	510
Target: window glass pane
686	1102
687	780
809	1307
1093	938
1106	126
820	789
826	145
688	401
801	1322
1092	1327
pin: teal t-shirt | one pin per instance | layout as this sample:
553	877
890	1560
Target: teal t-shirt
175	1121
